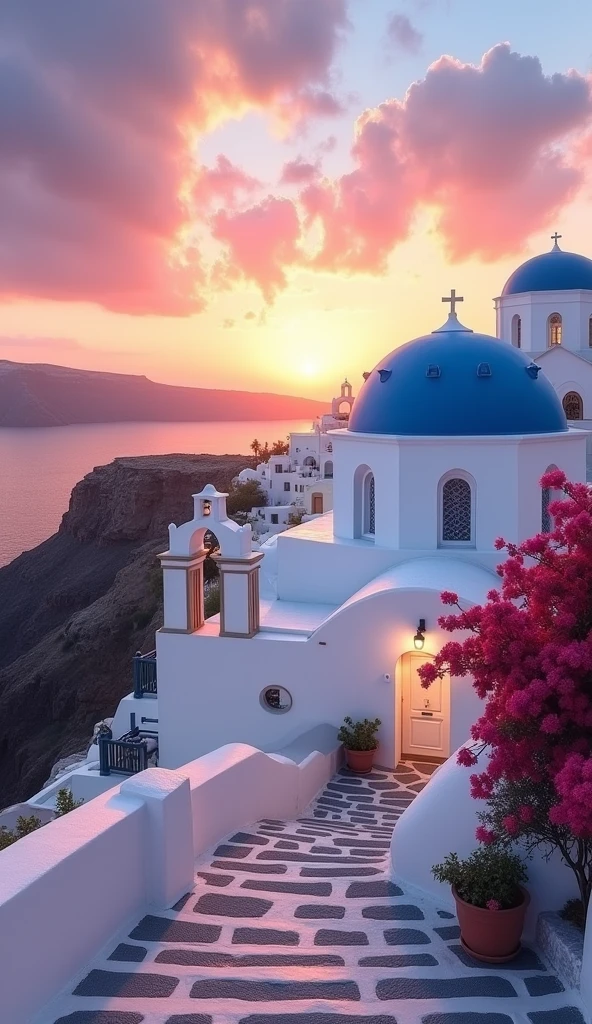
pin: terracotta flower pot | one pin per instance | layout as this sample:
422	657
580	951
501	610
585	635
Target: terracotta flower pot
491	935
360	761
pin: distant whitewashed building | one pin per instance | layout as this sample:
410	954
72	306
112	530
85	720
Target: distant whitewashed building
302	480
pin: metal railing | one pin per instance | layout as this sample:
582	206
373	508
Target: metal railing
145	675
123	757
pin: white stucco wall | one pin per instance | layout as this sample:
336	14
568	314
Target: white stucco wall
209	687
534	308
68	888
442	820
504	474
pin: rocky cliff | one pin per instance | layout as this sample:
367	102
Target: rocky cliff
74	610
42	395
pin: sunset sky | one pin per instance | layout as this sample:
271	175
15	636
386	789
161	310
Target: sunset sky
271	194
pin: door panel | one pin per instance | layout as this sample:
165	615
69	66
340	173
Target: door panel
424	714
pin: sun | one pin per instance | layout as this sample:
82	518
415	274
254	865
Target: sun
309	368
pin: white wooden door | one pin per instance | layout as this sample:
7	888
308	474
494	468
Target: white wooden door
425	714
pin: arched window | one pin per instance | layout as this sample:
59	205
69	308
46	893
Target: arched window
573	406
364	503
554	329
590	331
369	508
456	512
516	331
328	470
547	496
310	461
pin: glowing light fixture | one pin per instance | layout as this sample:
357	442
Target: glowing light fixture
419	638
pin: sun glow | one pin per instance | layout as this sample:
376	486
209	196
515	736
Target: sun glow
309	368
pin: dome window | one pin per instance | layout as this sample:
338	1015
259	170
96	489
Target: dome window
384	375
533	370
573	406
554	329
484	370
516	331
456	513
433	370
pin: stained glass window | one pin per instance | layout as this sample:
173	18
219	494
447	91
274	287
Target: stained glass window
456	511
573	406
545	515
371	505
555	329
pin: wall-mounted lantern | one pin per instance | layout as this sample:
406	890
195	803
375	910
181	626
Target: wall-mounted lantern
419	638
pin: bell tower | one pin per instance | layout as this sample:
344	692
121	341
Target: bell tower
342	406
182	566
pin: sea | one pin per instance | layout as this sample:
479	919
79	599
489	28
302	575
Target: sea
39	467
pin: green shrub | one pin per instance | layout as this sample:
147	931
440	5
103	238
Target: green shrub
359	735
490	877
23	827
65	802
212	600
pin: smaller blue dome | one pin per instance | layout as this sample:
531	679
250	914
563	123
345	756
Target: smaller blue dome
455	382
554	271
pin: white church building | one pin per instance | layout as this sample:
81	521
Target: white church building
443	453
545	309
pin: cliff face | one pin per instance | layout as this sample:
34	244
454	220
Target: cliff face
41	395
74	610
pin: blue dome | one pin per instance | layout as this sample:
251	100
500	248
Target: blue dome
554	271
455	382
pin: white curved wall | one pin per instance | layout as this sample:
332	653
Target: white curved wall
443	819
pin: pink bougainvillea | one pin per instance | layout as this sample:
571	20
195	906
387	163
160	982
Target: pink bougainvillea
529	653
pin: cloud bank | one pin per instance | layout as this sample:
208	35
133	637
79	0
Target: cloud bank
99	103
102	105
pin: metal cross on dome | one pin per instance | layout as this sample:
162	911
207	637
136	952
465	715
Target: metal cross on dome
555	238
453	298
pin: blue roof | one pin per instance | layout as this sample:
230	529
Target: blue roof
554	271
455	382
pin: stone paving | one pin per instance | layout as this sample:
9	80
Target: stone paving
300	923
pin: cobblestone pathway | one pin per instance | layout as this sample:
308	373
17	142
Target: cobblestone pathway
299	923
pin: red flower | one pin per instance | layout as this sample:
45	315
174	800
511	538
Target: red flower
493	905
466	757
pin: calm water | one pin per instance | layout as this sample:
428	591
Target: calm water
38	468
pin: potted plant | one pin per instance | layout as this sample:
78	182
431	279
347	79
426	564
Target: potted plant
490	901
359	740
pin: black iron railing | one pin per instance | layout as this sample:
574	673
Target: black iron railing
124	757
145	675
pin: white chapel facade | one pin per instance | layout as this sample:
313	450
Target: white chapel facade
442	453
545	309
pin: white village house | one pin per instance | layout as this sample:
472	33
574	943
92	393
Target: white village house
302	479
441	453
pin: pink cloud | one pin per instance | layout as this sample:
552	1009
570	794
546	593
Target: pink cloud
299	172
403	34
488	146
223	183
105	99
261	242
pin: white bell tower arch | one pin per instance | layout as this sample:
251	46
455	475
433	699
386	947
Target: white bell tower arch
182	566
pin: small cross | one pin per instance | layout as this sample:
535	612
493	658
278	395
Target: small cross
453	298
555	238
